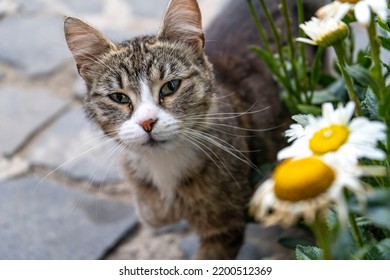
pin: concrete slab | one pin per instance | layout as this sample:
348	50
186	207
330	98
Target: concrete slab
49	221
33	43
260	243
22	113
78	150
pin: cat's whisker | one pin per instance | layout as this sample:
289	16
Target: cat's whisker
196	143
76	158
223	116
111	156
223	96
194	139
223	145
238	128
99	145
210	127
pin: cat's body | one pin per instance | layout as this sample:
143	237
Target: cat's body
182	133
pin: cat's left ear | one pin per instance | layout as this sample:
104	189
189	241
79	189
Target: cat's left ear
86	44
183	22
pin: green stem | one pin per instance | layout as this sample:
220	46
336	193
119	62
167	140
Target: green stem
355	230
279	49
338	47
319	229
261	30
302	47
315	71
290	42
381	92
376	70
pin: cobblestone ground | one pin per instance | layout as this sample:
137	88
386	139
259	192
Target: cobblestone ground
61	191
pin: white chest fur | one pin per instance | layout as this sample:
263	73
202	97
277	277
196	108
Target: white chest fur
165	170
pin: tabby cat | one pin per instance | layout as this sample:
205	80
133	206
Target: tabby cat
183	134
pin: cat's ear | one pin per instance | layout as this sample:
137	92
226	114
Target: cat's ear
86	44
183	22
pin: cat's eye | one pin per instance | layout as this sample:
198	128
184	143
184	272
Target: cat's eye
120	98
170	88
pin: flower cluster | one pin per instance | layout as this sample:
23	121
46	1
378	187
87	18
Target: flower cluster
320	163
362	9
335	174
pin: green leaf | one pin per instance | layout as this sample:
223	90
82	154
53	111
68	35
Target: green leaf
290	242
322	96
385	26
362	76
368	251
331	220
363	59
378	207
337	89
342	244
317	67
387	68
272	64
385	42
384	248
301	119
309	109
308	253
267	58
369	105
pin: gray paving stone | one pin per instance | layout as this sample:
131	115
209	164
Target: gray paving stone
33	43
181	226
79	88
22	113
31	5
260	243
74	147
263	242
50	221
119	35
150	9
7	7
189	245
85	7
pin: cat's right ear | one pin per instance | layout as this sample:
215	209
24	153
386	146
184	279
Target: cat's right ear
183	22
86	44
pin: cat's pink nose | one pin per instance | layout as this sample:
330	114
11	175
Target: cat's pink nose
148	124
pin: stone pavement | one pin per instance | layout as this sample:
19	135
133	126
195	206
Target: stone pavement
61	192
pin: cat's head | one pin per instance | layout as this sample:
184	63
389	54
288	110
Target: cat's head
148	91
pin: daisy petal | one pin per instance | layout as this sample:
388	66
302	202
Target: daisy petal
363	13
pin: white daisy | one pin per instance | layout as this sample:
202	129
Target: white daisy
362	9
294	132
323	32
336	134
300	188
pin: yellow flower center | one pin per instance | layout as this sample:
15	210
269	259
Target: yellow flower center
333	36
328	139
302	179
349	1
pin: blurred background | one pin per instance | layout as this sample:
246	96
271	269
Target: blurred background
61	190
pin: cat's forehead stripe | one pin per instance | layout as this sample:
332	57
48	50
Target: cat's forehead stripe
146	94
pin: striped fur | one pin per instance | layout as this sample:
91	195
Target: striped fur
192	165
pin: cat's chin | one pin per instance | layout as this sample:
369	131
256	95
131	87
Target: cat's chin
153	143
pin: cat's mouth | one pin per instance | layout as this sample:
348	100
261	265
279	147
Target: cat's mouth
151	142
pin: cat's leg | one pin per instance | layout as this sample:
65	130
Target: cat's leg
221	245
153	209
220	226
